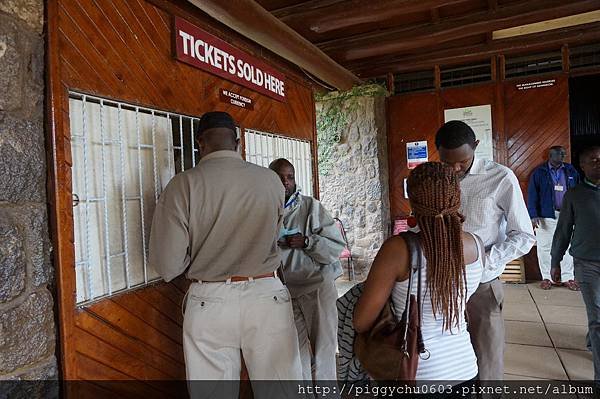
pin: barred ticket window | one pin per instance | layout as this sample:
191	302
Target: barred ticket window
123	157
262	148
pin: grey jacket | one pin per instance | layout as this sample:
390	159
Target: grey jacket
305	269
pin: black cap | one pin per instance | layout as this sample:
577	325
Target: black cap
215	119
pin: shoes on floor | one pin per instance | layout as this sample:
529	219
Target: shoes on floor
572	285
546	284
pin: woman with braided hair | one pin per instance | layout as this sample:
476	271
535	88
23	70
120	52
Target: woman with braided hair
451	271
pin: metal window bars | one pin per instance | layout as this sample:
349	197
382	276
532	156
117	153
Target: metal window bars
123	157
262	148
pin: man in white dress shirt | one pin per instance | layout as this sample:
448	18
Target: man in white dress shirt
494	209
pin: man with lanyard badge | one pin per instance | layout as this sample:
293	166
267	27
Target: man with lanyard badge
547	187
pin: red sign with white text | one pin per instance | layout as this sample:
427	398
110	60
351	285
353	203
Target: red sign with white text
209	53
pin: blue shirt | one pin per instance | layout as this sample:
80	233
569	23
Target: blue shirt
559	179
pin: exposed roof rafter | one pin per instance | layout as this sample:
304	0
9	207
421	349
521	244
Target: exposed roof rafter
465	54
248	18
401	40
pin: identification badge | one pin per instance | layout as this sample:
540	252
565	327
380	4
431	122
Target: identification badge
558	187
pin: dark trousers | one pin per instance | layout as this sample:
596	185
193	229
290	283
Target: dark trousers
587	274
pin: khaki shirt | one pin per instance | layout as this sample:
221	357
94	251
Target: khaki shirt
220	219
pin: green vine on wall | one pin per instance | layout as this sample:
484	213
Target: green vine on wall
333	114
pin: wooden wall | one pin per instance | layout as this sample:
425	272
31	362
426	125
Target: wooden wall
122	49
413	117
418	116
525	124
535	119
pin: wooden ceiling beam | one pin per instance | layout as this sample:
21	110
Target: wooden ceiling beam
459	55
248	18
402	40
355	12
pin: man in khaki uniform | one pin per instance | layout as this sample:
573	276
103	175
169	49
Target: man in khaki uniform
220	221
310	245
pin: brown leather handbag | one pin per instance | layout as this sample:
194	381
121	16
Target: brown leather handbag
390	350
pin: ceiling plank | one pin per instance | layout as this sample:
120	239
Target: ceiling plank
355	12
271	5
248	18
303	7
535	42
435	15
401	40
551	24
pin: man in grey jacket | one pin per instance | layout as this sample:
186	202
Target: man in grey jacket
310	244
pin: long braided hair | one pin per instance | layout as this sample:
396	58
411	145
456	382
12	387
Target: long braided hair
434	193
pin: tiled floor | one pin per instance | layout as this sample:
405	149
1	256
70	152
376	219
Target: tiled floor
545	333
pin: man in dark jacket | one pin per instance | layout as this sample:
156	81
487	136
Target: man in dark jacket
547	187
578	228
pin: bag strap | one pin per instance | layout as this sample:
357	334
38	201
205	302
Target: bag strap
414	255
420	344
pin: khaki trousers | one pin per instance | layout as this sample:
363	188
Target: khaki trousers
223	320
316	319
486	326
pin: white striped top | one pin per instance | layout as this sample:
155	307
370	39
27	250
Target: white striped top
451	354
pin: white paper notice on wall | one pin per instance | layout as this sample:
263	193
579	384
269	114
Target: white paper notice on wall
479	118
416	153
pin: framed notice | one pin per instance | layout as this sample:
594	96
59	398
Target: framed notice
479	118
416	153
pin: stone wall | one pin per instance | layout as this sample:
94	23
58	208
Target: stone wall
356	188
27	331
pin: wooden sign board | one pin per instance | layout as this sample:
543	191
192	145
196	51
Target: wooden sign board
211	54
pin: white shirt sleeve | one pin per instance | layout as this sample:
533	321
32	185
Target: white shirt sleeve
519	231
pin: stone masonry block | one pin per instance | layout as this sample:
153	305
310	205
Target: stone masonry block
33	95
24	249
38	381
32	221
11	61
27	332
31	12
22	160
45	370
13	267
